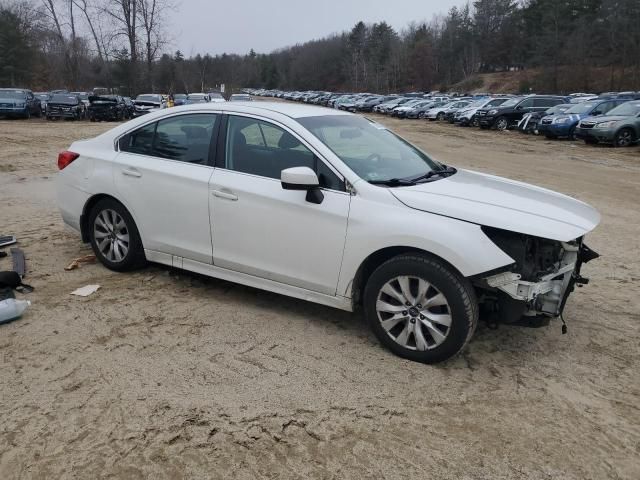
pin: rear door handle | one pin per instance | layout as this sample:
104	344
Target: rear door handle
131	172
225	195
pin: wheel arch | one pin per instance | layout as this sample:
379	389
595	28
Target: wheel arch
377	258
86	212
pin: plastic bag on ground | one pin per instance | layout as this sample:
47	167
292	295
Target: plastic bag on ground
12	309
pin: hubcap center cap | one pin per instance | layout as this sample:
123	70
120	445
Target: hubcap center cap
413	311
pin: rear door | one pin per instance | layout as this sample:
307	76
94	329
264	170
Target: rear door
162	176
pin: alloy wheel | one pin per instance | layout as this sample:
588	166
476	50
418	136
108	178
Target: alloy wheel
111	235
501	124
414	313
624	138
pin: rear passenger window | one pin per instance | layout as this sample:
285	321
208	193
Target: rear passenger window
139	141
547	102
263	149
184	138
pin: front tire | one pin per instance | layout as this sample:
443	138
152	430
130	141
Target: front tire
501	123
624	138
114	236
420	308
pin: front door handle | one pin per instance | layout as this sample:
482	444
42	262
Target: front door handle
225	195
131	172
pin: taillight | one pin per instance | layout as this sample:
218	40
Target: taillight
65	158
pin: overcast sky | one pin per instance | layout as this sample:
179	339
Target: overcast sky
236	26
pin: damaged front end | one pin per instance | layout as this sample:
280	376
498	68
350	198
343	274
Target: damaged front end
535	288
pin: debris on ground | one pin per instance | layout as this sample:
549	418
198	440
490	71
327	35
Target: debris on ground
80	260
7	240
19	264
12	309
13	281
86	290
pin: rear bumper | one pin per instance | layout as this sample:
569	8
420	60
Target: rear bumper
103	114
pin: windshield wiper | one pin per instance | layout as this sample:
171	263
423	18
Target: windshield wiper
445	171
393	182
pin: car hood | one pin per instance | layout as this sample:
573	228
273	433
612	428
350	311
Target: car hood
501	203
11	101
561	116
608	118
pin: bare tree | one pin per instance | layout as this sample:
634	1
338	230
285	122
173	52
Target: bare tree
85	8
124	14
152	14
69	47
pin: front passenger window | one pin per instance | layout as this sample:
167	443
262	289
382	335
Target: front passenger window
261	148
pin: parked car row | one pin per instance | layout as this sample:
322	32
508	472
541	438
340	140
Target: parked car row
98	105
610	117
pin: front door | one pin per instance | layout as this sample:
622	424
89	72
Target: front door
260	229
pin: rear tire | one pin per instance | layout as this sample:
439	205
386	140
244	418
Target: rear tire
420	308
114	236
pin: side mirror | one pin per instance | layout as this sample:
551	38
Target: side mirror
302	178
595	114
519	107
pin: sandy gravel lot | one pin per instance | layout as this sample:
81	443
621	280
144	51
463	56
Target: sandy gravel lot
167	375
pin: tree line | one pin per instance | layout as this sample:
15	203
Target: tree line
570	45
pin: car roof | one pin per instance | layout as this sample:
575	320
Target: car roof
293	110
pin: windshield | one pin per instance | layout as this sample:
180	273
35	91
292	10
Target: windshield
196	96
369	149
179	96
148	98
12	94
629	108
512	102
69	99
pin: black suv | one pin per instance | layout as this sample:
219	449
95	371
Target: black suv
511	112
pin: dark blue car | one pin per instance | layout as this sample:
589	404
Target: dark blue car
564	124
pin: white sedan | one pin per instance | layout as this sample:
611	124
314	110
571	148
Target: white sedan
328	207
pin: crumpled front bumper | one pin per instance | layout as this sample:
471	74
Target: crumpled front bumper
547	296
